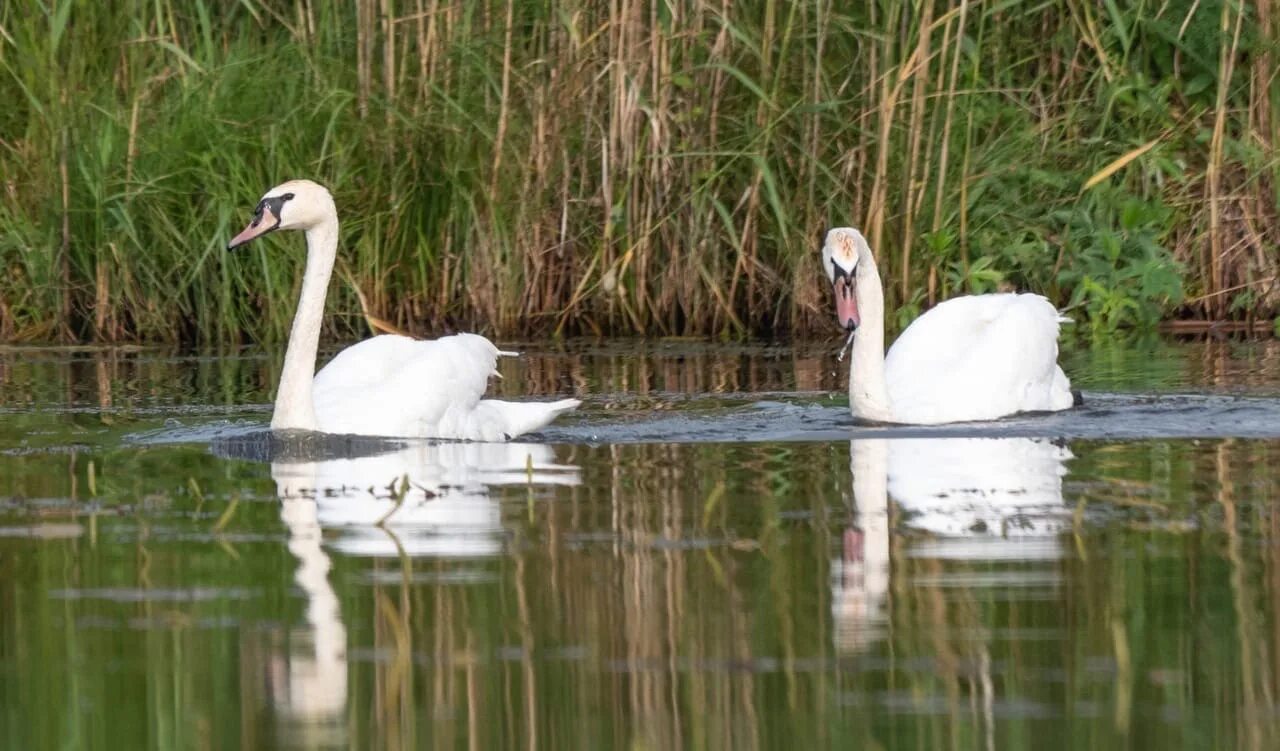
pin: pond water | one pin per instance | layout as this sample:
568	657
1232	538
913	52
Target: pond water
709	554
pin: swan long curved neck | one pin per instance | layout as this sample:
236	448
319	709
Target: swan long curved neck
295	409
868	392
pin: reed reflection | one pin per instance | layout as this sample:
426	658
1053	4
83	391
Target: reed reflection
974	499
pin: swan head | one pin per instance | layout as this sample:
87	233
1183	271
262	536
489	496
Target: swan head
296	204
840	256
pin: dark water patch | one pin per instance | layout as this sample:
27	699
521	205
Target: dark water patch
176	411
457	576
298	445
61	448
44	531
1102	417
192	594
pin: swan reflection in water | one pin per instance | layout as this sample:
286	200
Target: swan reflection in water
976	499
424	500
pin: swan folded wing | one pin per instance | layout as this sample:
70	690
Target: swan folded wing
979	357
1030	342
367	363
392	385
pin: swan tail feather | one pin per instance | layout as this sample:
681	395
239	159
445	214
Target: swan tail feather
496	420
502	353
1061	395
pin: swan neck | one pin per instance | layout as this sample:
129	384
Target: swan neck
868	393
295	409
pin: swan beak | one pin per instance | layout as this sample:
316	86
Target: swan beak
846	303
263	222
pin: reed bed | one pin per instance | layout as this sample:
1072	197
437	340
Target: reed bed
570	167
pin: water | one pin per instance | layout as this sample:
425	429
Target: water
701	558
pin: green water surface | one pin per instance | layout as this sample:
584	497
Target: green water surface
156	595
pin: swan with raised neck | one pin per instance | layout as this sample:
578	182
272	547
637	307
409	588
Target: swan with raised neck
388	385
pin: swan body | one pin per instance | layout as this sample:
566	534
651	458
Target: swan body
388	385
978	357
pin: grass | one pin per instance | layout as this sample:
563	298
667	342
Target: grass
621	168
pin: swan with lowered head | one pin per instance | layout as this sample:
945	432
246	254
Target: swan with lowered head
976	357
389	385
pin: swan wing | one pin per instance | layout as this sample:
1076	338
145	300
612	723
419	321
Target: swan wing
978	358
397	386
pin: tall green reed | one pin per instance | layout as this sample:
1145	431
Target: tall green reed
566	167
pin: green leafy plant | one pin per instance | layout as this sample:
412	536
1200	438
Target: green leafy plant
1121	274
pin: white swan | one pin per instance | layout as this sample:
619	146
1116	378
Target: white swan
387	385
970	358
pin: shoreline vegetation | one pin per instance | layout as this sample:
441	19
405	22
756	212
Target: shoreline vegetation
667	169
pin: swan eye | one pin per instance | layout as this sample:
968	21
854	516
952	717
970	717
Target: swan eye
272	204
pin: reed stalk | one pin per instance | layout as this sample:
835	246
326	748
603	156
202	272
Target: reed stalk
631	168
